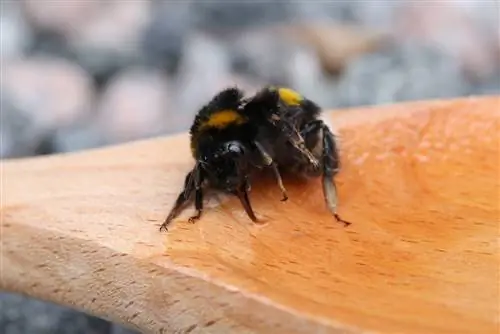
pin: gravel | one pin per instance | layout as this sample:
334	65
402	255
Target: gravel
20	315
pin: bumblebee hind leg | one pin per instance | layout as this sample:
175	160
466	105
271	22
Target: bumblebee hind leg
330	164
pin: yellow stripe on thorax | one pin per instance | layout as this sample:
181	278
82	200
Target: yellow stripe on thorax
222	119
290	97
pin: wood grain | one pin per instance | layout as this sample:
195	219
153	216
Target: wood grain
420	182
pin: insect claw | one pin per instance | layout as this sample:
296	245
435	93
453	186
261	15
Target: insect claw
194	218
340	220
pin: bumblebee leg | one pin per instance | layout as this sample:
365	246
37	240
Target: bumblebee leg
331	164
268	161
277	175
330	168
198	201
242	194
182	198
297	141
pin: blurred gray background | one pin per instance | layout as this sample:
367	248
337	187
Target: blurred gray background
77	74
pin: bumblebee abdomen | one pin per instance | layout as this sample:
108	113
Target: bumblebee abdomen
297	107
290	97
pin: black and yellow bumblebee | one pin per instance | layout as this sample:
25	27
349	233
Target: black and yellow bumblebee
276	128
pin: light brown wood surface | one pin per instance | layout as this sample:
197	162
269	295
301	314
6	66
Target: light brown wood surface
420	182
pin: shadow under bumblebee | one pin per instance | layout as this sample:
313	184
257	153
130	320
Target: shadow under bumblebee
276	128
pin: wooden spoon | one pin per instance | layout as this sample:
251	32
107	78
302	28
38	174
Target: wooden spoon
420	182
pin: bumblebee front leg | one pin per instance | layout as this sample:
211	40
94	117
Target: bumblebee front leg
331	164
268	161
183	197
198	200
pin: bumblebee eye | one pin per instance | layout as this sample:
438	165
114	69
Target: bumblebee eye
234	147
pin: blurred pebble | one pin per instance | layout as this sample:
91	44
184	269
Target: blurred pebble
369	14
224	16
267	54
134	105
19	134
85	134
53	92
40	95
110	39
466	30
16	34
400	73
323	11
59	16
204	65
116	329
164	38
336	44
204	71
487	87
16	310
305	72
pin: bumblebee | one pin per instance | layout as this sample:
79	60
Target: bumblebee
232	136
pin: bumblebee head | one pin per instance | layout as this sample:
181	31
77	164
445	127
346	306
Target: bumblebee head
226	166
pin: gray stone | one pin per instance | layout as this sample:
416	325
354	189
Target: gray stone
134	105
53	92
400	73
16	33
19	314
205	64
19	133
110	39
271	56
38	96
164	38
221	16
